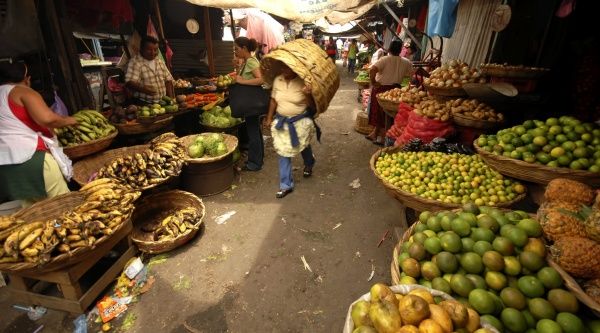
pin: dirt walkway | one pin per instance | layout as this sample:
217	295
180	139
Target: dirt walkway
247	275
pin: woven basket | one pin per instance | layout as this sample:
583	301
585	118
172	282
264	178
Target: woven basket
50	209
153	119
361	124
575	288
91	147
461	120
311	64
388	105
523	73
230	140
132	129
535	173
233	130
395	269
85	169
152	209
446	92
362	84
416	202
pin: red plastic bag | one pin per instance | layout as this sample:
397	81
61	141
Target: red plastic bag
424	128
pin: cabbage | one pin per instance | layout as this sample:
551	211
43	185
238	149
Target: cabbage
227	111
200	139
196	150
221	149
216	137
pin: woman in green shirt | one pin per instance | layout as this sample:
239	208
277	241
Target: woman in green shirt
249	74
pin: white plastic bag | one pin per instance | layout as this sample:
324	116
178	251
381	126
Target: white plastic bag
63	161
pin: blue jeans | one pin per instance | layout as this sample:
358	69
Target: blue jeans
286	180
256	150
351	65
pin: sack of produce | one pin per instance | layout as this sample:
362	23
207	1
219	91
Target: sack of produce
400	121
410	308
424	128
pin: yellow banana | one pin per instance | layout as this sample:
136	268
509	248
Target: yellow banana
30	238
64	247
73	238
96	182
30	252
12	242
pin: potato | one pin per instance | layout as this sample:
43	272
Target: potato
364	329
385	317
440	316
380	291
413	309
360	314
408	329
457	312
473	322
430	326
424	294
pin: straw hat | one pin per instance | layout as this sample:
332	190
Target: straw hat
311	64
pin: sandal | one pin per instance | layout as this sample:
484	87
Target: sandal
282	193
307	172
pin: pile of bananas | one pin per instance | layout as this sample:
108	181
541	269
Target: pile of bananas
163	159
106	206
175	224
91	126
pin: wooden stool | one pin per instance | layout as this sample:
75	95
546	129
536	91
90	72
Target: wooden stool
27	287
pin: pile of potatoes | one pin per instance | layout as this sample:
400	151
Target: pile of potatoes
408	95
453	74
474	109
417	312
433	109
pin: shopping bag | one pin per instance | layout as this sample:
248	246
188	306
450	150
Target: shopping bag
247	101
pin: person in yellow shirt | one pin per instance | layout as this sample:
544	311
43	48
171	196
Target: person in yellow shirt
291	108
352	52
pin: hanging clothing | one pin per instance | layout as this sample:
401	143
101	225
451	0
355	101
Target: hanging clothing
442	17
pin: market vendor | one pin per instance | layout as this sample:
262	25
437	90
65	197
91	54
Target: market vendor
387	73
32	166
147	77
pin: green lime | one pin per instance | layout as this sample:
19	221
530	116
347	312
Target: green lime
512	266
548	326
540	141
461	285
496	280
487	222
560	138
532	261
504	245
417	251
424	216
482	301
570	323
529	124
518	237
446	261
478	280
467	244
564	160
481	234
440	284
481	247
493	261
541	309
434	223
451	242
543	156
563	301
493	321
513	298
531	227
513	320
430	271
471	262
419	237
549	277
552	121
433	245
461	227
568	145
530	286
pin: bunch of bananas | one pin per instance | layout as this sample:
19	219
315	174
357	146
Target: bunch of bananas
106	206
163	159
91	126
174	225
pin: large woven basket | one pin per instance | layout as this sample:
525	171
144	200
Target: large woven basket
89	148
395	266
416	202
311	64
153	208
138	128
86	168
461	120
387	105
446	92
361	124
50	209
535	173
230	141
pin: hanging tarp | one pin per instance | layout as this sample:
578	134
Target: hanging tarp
304	11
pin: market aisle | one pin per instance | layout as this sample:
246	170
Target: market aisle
247	275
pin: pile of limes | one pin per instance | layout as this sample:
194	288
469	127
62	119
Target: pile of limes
494	261
558	142
449	178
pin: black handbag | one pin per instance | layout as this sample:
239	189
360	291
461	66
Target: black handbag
248	101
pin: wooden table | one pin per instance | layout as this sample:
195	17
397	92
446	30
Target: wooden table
28	287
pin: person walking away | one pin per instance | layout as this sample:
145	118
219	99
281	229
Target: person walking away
387	73
147	77
352	52
292	108
249	74
331	49
28	148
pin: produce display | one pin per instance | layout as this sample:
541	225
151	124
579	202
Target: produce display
570	218
207	145
433	109
558	142
175	224
198	99
494	261
91	125
163	159
219	117
107	205
449	178
363	76
417	311
182	84
408	95
165	105
453	74
224	81
474	109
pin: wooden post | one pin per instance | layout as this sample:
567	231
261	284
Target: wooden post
161	31
209	42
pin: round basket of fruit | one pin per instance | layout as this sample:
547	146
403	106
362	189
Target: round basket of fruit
539	151
92	134
447	80
209	147
435	180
